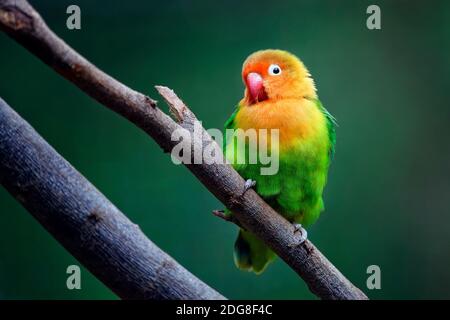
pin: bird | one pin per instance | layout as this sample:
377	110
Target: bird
280	94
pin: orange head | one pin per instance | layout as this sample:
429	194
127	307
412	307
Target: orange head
273	75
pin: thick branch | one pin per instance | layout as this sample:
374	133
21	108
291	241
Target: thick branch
85	222
21	22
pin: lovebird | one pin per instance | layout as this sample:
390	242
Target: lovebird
280	94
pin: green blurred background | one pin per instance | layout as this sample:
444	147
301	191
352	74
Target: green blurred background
388	191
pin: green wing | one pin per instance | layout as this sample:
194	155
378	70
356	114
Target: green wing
229	124
331	126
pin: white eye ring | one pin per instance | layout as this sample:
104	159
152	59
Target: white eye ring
274	70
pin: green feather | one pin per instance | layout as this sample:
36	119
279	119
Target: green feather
229	124
331	125
295	191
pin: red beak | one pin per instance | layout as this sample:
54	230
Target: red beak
255	87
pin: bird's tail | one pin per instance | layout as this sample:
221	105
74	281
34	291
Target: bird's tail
250	253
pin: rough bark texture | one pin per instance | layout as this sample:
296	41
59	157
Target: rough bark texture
22	22
91	228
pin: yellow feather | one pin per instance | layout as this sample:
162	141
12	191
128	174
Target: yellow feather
289	106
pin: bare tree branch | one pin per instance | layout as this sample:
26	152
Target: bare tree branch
23	23
89	226
227	217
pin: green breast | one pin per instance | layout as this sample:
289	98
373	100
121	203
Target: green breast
296	190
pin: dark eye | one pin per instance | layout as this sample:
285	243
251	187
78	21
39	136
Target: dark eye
274	70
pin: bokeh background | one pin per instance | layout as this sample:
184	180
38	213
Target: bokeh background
387	198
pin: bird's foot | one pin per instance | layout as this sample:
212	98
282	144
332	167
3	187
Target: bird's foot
303	233
249	183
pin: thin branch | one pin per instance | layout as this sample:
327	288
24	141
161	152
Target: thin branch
23	23
176	107
221	214
227	217
85	222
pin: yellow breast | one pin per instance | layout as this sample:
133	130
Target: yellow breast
296	119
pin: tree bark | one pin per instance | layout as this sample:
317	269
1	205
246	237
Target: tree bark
90	227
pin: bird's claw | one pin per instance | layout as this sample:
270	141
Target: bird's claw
303	233
249	183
